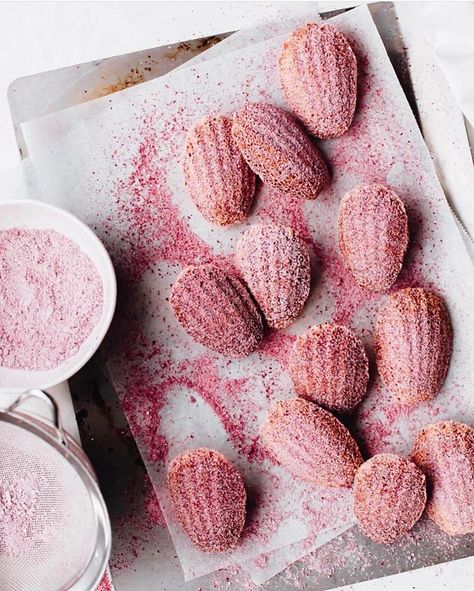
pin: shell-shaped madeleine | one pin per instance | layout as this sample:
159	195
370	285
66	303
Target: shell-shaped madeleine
329	366
413	342
311	443
208	498
445	453
389	497
318	75
217	178
275	265
216	309
373	235
279	151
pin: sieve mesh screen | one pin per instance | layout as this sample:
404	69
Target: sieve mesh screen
48	526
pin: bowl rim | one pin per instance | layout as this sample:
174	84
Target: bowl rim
107	313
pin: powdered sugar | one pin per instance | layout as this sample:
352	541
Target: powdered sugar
51	298
18	512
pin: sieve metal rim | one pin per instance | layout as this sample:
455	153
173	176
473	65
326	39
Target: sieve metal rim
63	443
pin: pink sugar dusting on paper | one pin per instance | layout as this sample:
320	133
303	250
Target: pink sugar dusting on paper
145	398
157	231
278	345
18	511
153	509
51	298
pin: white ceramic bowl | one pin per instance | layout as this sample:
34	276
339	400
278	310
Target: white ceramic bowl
41	216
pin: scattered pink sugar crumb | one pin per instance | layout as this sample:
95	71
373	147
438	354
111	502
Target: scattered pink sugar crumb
139	524
261	561
51	298
326	560
202	376
153	509
233	575
105	584
278	345
18	512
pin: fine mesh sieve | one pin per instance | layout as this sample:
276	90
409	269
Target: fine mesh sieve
54	528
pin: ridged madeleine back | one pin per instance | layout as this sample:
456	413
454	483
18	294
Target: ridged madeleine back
311	443
373	235
208	498
275	265
318	75
445	453
215	308
278	150
413	340
216	176
329	366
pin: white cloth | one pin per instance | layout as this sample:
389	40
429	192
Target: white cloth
450	27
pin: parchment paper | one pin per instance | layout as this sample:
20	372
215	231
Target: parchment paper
78	171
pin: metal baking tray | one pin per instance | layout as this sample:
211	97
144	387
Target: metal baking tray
140	549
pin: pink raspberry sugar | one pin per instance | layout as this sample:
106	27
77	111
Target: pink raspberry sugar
51	298
18	511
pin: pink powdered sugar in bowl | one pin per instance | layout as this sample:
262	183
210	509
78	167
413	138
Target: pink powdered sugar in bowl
51	297
57	295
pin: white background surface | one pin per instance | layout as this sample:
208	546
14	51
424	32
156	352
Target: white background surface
37	36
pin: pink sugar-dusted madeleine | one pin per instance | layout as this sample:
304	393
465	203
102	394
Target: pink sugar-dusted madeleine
413	344
389	497
311	443
318	76
217	178
216	309
445	453
329	366
275	265
208	498
373	235
279	151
